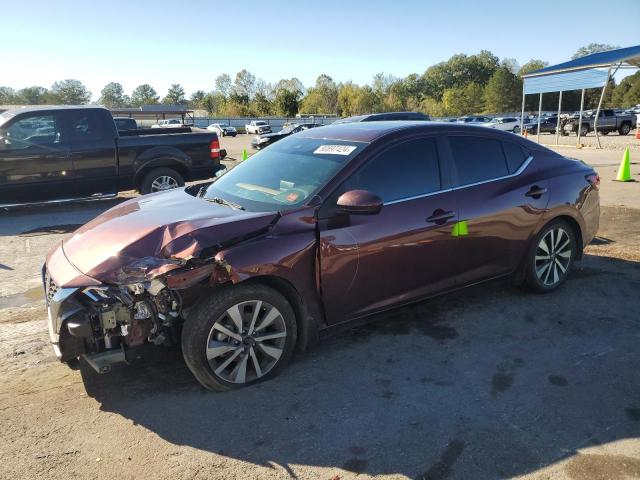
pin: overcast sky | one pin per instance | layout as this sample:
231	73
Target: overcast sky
163	42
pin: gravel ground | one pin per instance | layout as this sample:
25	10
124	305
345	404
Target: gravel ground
486	383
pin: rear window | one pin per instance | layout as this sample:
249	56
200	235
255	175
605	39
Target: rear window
515	156
477	159
85	125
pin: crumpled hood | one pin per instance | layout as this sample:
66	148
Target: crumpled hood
170	225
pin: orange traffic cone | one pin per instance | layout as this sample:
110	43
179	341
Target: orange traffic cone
638	132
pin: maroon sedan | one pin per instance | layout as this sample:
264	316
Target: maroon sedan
320	229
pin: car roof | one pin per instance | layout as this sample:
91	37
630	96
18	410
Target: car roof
367	132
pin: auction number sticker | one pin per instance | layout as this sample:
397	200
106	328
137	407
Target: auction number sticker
335	149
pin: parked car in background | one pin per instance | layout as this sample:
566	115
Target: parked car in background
473	119
62	153
170	123
125	123
304	237
223	130
608	122
507	124
257	127
379	117
261	141
547	125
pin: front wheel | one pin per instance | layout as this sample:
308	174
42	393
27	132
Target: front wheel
238	336
583	131
551	257
516	130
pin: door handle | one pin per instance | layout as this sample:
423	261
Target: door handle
440	216
536	192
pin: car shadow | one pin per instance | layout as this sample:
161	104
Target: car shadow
489	382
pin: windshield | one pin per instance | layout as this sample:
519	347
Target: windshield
285	175
289	129
261	123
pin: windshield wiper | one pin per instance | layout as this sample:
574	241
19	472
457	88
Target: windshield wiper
222	201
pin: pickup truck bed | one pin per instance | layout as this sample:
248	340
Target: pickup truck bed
62	153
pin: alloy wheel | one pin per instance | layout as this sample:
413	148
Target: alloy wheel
163	182
553	256
246	341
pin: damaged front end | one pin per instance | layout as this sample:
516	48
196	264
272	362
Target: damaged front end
103	323
129	276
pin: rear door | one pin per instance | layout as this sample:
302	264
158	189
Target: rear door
92	138
370	262
500	201
34	160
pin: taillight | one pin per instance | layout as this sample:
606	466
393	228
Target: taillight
214	149
594	180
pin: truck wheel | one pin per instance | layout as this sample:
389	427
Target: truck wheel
625	128
239	335
160	179
603	132
584	130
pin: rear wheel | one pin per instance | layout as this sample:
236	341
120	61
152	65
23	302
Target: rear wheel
516	129
160	179
584	130
238	336
551	257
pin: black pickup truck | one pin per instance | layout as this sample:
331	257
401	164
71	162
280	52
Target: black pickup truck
68	152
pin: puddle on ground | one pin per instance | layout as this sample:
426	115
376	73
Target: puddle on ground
21	299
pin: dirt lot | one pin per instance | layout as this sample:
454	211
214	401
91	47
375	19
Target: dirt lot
486	383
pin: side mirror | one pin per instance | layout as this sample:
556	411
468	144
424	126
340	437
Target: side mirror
360	202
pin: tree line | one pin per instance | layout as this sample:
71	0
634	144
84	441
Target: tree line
464	84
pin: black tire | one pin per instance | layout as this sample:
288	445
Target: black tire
604	132
147	185
537	277
198	329
516	130
584	130
625	128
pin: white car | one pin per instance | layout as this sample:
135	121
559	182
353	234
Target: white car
508	124
222	129
169	123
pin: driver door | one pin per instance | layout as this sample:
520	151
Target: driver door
405	252
35	164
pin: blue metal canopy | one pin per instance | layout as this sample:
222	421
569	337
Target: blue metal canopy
590	71
628	55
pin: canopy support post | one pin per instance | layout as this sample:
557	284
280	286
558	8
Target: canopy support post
580	117
595	121
558	122
522	114
539	114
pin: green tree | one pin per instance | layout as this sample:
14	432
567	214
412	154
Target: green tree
175	95
144	94
463	100
244	84
503	92
197	99
286	102
592	48
112	95
7	96
32	96
70	92
322	98
261	104
223	84
627	93
532	65
459	71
